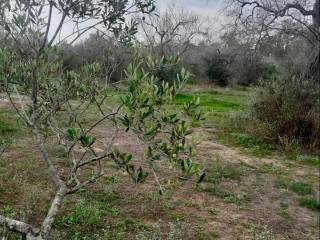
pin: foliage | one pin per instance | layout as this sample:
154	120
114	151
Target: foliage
219	171
55	103
311	203
146	116
287	110
113	56
166	69
218	68
64	99
309	160
301	188
249	71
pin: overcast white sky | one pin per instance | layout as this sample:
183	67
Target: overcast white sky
205	8
200	6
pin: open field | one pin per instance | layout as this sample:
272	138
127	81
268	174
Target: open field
252	190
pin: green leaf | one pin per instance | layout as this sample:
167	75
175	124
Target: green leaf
201	178
140	176
72	134
87	141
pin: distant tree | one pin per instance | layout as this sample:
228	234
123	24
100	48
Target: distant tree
263	18
173	31
107	50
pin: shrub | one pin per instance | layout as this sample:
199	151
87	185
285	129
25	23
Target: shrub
218	69
248	70
167	69
301	188
311	203
287	110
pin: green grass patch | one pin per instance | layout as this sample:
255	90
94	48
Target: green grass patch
311	203
309	160
227	196
215	101
248	142
282	183
8	123
85	214
219	171
301	188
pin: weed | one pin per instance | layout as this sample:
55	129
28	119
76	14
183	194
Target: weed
311	203
301	188
208	236
273	169
177	230
281	183
283	212
252	143
219	171
8	211
213	211
8	124
85	215
227	196
309	160
175	216
261	232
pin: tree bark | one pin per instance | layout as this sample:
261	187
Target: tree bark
314	66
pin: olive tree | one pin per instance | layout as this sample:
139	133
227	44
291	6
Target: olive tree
54	103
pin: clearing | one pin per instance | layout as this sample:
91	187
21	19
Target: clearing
252	191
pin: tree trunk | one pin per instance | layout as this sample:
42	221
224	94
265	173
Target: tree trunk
316	15
314	66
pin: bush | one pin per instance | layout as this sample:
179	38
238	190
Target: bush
218	69
249	69
167	69
287	110
253	72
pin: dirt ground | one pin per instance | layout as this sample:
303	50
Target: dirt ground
255	207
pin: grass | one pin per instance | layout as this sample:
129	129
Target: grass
301	188
219	171
260	232
220	108
282	182
248	142
8	123
114	209
310	160
211	101
98	212
9	128
311	203
213	211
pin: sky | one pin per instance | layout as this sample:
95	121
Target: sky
199	6
211	9
205	8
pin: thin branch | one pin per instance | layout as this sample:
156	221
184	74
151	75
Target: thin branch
48	27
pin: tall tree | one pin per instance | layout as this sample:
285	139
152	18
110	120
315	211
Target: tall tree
297	17
173	31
